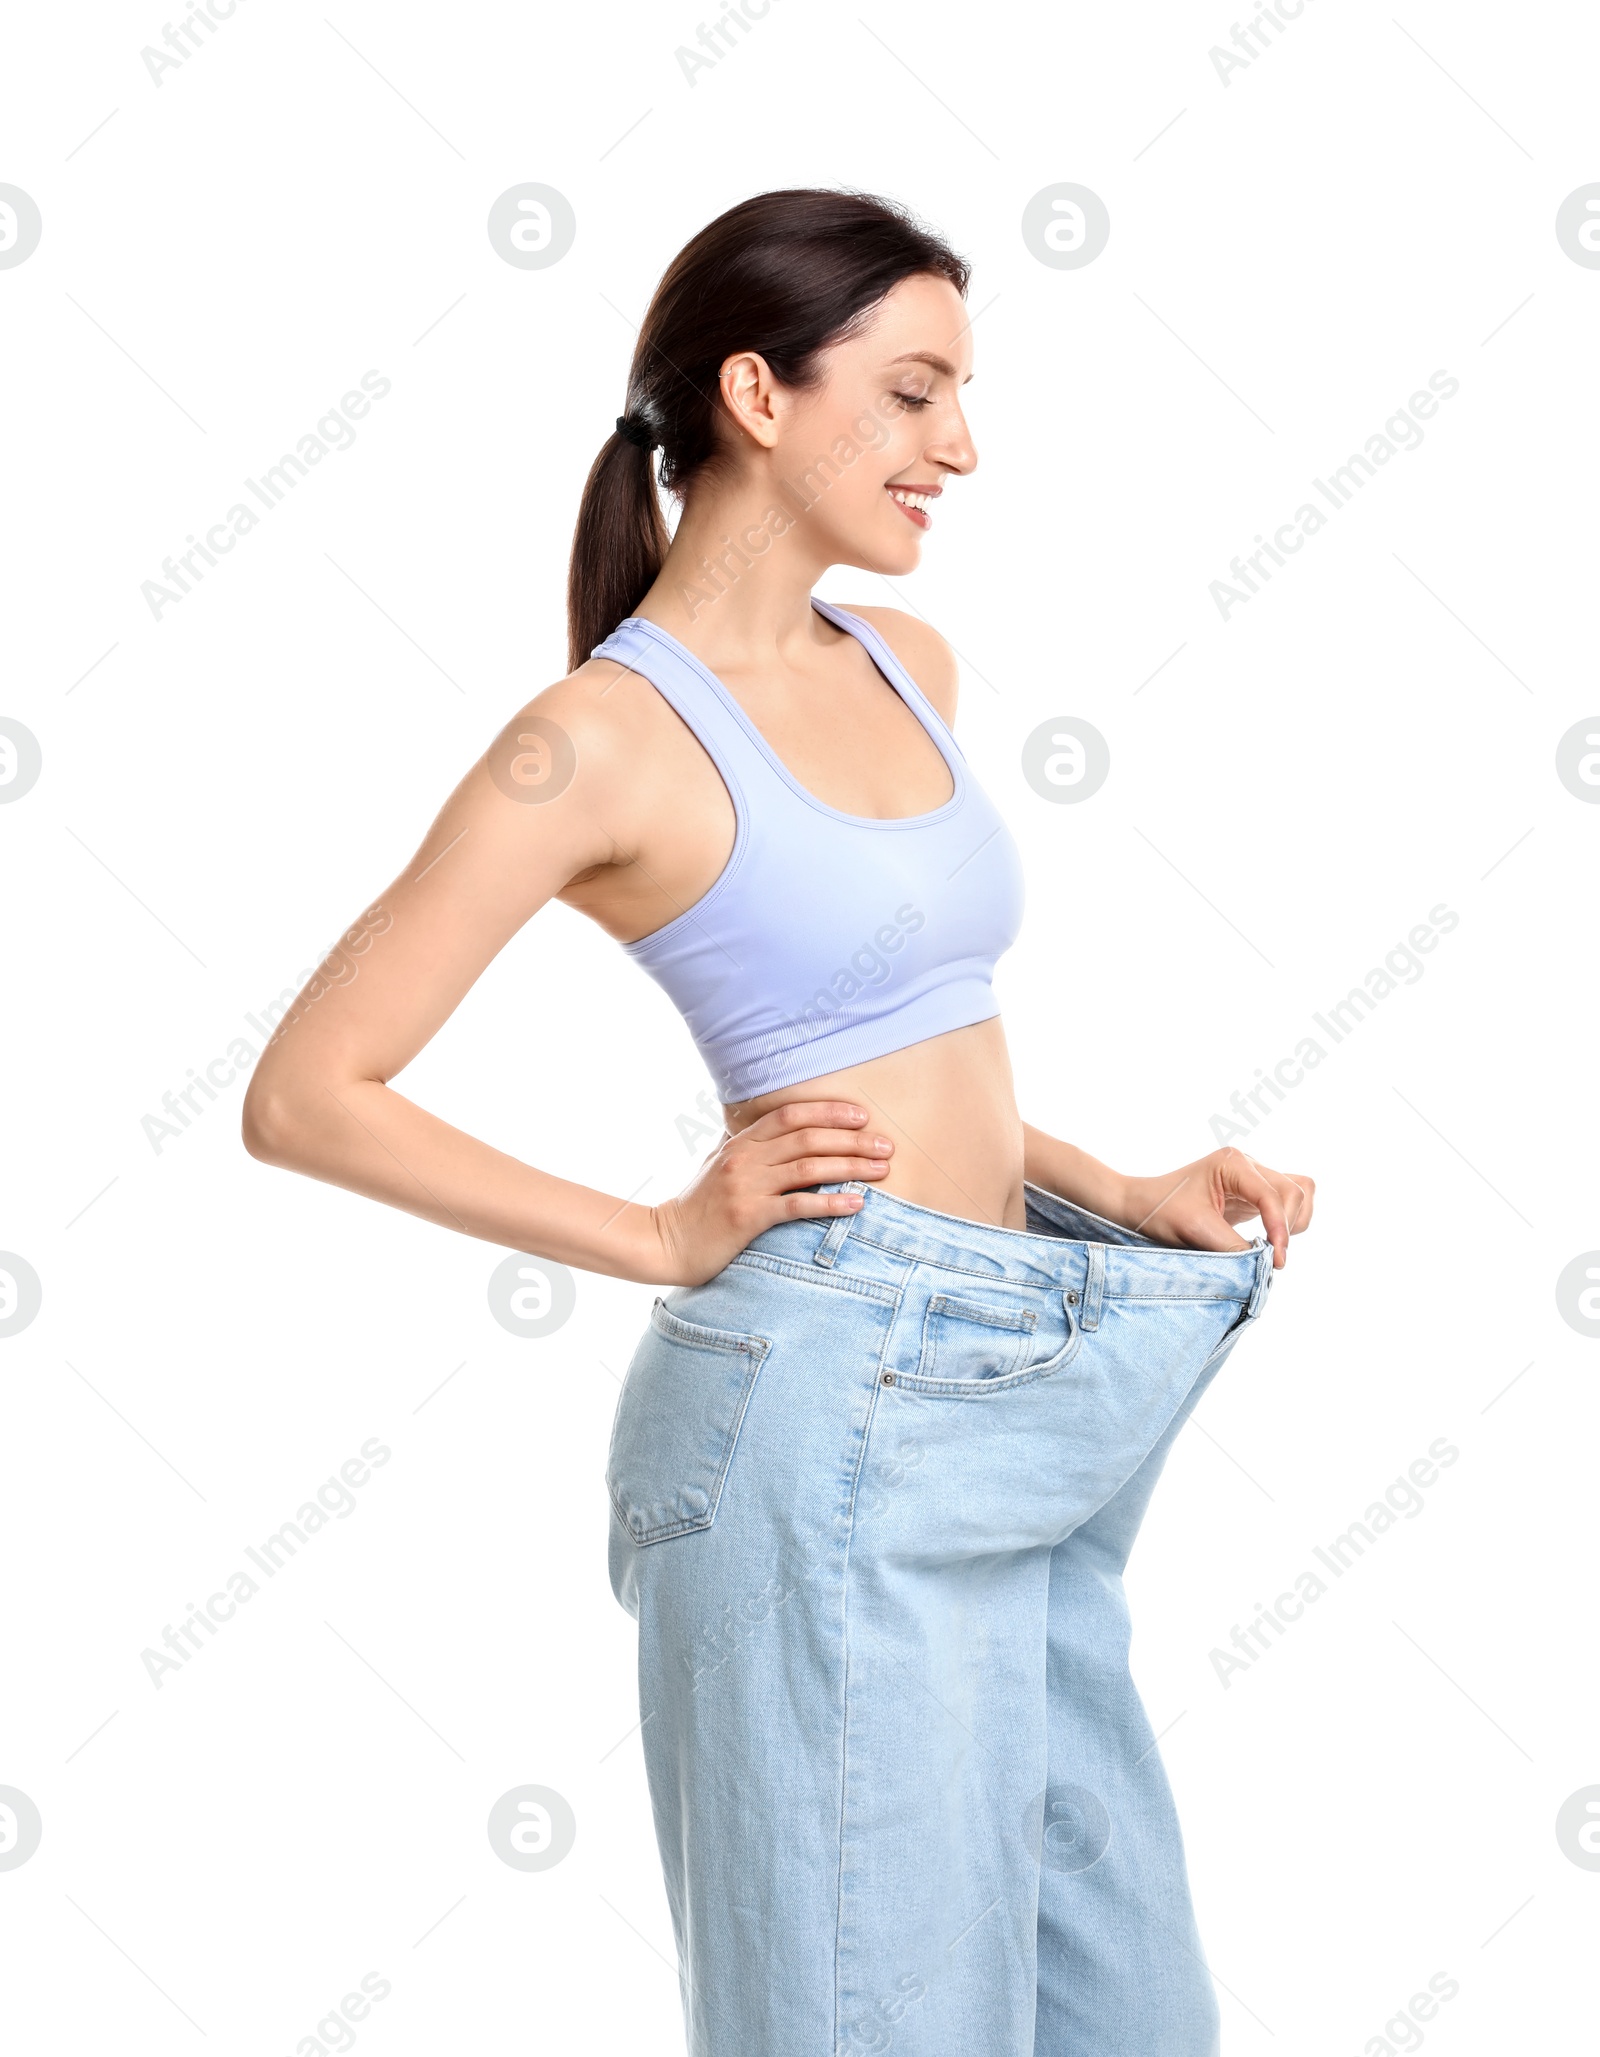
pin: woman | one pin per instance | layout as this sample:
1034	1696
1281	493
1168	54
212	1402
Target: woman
883	1448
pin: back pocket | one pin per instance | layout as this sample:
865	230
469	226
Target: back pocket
677	1423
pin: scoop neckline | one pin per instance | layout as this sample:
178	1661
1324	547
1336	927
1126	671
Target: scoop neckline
841	618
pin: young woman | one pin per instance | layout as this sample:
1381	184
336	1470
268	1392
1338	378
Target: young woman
884	1446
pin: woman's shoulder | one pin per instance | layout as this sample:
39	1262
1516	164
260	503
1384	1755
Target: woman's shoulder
921	650
615	724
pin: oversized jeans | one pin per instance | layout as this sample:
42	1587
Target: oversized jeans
874	1487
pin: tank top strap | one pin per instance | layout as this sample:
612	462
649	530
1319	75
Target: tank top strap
700	701
893	670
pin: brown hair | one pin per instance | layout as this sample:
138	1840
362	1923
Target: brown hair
784	274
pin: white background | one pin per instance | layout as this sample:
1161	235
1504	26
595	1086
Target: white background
226	788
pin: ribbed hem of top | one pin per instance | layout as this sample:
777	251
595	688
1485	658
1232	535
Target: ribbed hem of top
959	1004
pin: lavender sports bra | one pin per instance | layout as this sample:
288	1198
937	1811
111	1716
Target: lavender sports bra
828	938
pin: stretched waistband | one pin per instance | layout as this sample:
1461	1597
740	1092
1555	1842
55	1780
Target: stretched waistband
1064	1246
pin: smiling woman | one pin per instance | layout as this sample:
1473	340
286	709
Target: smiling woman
920	1363
780	261
798	495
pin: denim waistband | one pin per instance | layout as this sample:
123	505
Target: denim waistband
1064	1246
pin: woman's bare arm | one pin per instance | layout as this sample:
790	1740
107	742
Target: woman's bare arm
320	1101
1195	1207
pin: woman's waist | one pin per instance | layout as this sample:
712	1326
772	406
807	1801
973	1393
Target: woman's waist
948	1107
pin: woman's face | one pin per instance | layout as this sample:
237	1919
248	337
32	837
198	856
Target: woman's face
868	450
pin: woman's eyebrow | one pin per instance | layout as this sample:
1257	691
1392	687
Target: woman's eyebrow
929	357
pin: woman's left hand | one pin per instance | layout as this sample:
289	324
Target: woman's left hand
1196	1207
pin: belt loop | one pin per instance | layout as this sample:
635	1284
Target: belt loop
1094	1286
828	1249
1263	1280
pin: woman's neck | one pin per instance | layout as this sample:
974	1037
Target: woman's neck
736	584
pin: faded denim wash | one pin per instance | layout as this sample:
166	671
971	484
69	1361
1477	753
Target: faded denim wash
874	1486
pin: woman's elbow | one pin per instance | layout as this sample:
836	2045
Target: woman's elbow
273	1124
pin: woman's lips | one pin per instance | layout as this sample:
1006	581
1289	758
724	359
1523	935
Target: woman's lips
912	502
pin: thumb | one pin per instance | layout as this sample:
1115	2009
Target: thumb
1197	1224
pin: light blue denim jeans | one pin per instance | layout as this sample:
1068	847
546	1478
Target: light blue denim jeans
874	1486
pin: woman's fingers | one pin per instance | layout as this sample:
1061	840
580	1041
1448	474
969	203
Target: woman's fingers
810	1143
1299	1197
1243	1176
804	1206
761	1174
809	1138
1188	1215
1198	1207
783	1121
824	1171
1296	1195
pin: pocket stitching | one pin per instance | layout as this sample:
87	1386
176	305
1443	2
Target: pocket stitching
1025	1318
676	1329
1020	1321
696	1336
981	1388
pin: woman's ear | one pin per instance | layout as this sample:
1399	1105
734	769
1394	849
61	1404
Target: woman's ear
752	397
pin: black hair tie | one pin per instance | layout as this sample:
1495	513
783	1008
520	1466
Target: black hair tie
633	430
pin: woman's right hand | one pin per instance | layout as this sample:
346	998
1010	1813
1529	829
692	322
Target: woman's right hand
757	1178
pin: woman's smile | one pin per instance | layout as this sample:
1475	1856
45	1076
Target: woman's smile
913	502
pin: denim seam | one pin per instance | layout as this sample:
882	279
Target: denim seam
1179	1299
1029	1285
844	1667
806	1274
994	1278
1006	1278
1094	1286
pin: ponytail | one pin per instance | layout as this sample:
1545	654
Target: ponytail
618	545
785	275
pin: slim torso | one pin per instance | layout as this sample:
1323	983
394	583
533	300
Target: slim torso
948	1107
946	1103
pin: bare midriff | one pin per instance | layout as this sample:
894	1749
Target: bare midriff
949	1108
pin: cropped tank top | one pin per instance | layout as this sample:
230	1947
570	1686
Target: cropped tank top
828	938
